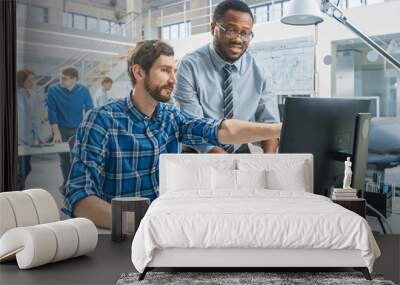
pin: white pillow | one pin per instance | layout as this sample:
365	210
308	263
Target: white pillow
223	179
251	178
185	177
292	179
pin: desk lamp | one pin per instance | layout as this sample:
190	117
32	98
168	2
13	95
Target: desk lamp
310	12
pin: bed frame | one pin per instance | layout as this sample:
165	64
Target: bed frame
245	259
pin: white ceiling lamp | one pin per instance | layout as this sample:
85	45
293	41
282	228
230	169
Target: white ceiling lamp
303	13
308	12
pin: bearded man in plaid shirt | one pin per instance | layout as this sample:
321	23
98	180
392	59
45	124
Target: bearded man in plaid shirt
118	145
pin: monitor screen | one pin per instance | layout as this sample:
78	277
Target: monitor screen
323	127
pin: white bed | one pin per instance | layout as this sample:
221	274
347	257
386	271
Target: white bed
247	211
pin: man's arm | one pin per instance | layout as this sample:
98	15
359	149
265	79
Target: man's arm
89	102
270	146
194	131
53	118
238	132
185	95
94	209
85	179
100	213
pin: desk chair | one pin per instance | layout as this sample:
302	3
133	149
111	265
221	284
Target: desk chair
384	152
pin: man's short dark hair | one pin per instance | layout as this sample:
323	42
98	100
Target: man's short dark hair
70	71
145	54
106	80
235	5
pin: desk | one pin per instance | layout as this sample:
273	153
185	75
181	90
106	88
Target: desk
33	150
102	266
110	259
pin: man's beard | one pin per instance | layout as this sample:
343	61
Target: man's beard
155	91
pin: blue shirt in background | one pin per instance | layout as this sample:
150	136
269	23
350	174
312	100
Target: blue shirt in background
199	89
66	107
117	149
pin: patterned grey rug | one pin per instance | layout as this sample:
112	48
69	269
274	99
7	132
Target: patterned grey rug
244	278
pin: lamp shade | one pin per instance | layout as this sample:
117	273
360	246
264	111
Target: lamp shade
303	13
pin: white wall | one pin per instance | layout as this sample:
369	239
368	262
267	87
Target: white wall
378	19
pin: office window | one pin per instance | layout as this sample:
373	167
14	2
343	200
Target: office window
182	30
79	22
357	73
67	20
285	7
123	30
369	2
277	10
176	31
104	26
165	33
118	29
38	14
91	23
261	14
354	3
22	12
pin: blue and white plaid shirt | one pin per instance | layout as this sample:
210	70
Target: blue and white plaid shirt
117	149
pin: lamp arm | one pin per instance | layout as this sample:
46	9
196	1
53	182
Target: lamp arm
333	11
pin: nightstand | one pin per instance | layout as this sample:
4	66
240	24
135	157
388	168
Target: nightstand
358	206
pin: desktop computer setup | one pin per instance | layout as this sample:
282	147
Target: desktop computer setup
331	129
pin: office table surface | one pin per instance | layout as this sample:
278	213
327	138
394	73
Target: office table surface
110	259
36	150
104	265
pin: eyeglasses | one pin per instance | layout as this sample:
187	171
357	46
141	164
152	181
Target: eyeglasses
233	34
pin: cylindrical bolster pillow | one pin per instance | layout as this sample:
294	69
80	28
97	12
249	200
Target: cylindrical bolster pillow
7	218
33	246
87	235
27	208
46	207
66	238
23	208
41	244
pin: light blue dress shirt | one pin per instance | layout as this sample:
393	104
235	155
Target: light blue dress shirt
103	97
28	117
199	89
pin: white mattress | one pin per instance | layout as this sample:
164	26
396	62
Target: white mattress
252	219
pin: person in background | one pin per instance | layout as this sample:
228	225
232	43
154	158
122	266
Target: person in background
67	101
103	96
118	145
222	79
27	122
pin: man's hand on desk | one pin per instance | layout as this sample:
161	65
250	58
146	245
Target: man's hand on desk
217	149
56	134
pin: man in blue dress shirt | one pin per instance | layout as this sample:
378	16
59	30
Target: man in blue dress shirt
118	145
222	80
66	102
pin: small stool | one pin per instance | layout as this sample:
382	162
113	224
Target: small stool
120	206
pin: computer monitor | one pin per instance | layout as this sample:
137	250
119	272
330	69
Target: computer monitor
330	129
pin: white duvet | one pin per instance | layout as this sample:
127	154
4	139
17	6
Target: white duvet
253	218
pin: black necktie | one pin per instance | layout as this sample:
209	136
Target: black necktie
227	87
